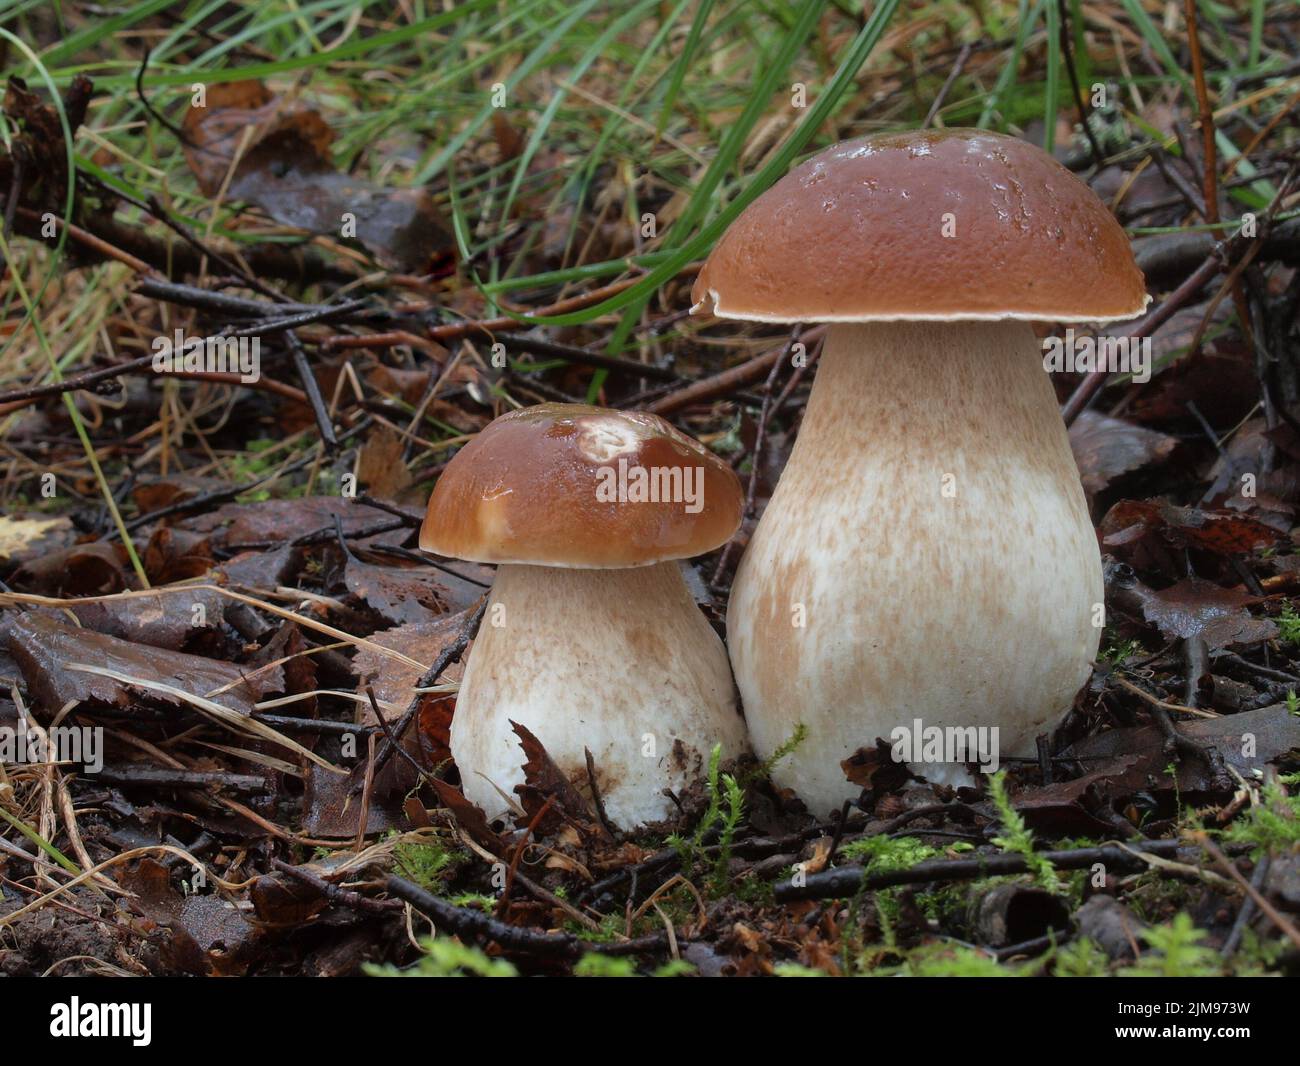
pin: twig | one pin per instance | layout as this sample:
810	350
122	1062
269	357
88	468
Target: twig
1210	176
728	381
468	922
597	799
345	896
1067	51
724	559
450	654
1261	901
1248	908
165	777
420	771
312	390
848	880
953	75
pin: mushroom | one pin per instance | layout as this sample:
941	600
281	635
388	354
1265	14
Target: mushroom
591	639
927	557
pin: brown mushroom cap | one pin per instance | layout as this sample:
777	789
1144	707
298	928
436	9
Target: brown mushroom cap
539	486
857	233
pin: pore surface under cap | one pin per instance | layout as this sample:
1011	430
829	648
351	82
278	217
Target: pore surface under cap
939	224
571	485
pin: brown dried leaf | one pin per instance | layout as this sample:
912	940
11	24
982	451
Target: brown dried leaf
238	525
207	936
399	595
44	649
176	555
544	780
95	569
380	468
331	810
469	818
280	902
874	767
1269	733
261	569
393	680
1105	448
287	171
1196	608
1220	532
168	620
1066	807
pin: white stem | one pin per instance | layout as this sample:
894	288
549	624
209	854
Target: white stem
620	662
927	555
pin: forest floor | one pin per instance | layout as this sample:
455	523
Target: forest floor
215	572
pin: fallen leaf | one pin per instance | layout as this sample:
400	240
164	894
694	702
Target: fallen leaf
1105	448
94	569
31	536
176	555
1196	608
399	595
1268	733
544	780
162	619
285	168
45	650
271	522
207	935
1220	532
380	468
470	819
394	680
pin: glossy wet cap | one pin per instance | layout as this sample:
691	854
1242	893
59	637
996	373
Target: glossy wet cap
928	225
577	486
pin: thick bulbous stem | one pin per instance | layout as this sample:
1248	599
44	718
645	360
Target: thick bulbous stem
620	662
927	555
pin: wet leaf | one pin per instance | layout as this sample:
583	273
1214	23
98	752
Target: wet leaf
280	153
1195	608
331	810
399	595
544	780
1106	448
1220	532
45	650
1268	733
162	620
469	818
95	569
270	522
207	936
394	680
176	555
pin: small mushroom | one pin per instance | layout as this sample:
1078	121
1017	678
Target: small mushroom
927	554
591	639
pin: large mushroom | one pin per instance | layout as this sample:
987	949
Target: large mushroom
927	555
591	639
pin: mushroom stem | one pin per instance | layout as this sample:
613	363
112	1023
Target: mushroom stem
620	662
927	555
